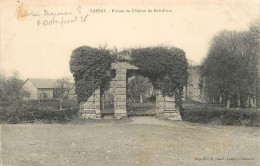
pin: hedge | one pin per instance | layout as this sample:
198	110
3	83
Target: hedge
22	112
222	116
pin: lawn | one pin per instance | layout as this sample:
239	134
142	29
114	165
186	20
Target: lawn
137	109
144	141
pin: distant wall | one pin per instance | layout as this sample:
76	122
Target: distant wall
192	91
29	87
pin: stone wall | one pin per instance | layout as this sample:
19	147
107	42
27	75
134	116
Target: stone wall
192	91
120	94
91	108
119	83
165	107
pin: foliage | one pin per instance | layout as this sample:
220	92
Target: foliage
16	111
165	67
221	116
54	103
20	111
152	98
137	87
64	88
91	69
64	84
11	88
232	65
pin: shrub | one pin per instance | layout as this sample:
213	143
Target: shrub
53	115
21	111
16	112
222	116
152	98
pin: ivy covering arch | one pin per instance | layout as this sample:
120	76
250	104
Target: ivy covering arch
165	66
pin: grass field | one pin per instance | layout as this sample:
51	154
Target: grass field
144	141
138	109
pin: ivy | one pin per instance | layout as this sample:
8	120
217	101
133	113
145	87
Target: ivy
165	67
91	69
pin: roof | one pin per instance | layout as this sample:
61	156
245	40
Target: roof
44	83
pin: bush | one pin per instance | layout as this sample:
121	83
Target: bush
152	98
54	104
52	115
222	116
20	112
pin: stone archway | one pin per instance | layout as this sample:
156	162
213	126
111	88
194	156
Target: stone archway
165	106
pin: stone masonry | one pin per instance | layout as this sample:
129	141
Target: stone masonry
120	88
165	106
91	108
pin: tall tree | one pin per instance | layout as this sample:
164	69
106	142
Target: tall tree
232	66
252	57
12	88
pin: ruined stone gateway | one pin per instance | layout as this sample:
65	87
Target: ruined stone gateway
165	106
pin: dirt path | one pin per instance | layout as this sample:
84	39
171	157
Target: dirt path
135	141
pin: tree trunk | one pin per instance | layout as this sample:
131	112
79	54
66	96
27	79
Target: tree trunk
254	102
109	99
61	104
258	97
228	103
103	102
141	98
258	100
251	102
247	101
238	100
186	92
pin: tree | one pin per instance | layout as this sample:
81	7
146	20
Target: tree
219	64
137	87
232	67
251	55
166	67
11	90
64	88
2	78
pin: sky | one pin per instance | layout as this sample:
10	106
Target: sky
38	37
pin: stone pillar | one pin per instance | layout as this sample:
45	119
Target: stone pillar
120	94
165	107
159	104
91	108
